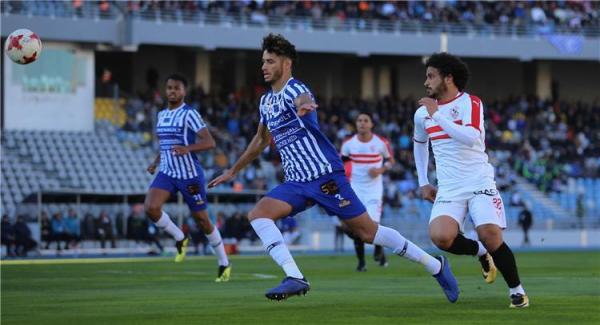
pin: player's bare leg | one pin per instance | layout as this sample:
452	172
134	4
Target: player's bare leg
359	249
262	218
215	240
445	234
155	199
491	236
370	232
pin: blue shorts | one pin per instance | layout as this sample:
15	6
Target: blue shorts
332	192
193	189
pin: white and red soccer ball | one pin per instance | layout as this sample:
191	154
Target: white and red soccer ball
23	46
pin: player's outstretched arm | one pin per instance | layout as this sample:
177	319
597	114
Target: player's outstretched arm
259	142
206	142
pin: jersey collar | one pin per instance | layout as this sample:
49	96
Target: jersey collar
450	100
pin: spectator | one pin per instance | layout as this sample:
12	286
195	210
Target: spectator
46	230
8	236
73	229
525	221
136	229
59	231
24	242
580	210
104	230
89	227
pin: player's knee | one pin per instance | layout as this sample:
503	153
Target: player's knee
204	224
252	214
366	236
152	209
491	239
442	241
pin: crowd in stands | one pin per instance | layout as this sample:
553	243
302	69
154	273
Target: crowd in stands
571	16
544	141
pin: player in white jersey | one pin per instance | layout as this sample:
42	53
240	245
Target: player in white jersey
178	126
453	121
314	175
364	154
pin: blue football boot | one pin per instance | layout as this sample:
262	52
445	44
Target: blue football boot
288	287
447	280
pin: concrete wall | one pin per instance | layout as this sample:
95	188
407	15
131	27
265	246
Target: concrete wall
577	80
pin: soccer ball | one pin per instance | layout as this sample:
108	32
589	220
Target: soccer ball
23	46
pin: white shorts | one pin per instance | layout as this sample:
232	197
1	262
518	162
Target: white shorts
485	207
374	205
372	199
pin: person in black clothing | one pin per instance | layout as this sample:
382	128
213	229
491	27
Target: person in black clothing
104	230
8	236
46	230
525	221
24	242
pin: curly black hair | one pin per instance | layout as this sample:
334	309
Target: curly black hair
448	64
276	43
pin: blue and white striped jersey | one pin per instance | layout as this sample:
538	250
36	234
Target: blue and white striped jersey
178	127
306	154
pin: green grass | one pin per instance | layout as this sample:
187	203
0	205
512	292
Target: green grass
564	288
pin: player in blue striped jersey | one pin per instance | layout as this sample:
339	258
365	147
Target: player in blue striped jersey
314	175
178	126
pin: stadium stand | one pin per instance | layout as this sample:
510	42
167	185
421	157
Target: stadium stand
514	17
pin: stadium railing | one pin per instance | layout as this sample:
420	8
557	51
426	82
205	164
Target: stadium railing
117	10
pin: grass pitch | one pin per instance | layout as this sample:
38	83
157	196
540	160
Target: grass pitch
564	288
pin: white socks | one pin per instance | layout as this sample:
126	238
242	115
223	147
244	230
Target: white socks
274	245
214	239
482	251
517	289
165	223
390	238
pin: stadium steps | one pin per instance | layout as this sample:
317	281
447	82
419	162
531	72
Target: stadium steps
541	204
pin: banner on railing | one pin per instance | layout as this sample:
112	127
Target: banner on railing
567	44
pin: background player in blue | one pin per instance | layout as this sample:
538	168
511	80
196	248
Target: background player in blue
177	128
314	175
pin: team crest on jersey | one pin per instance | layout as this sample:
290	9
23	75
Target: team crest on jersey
454	112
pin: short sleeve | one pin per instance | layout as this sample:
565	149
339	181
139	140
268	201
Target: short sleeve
195	121
261	119
420	135
295	89
345	150
386	150
473	113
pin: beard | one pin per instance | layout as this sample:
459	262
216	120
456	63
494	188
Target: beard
275	76
174	100
437	92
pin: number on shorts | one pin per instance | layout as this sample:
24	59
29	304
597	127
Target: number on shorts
497	203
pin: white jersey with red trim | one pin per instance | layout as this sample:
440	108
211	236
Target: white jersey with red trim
364	156
458	166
